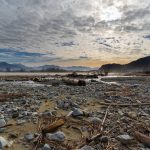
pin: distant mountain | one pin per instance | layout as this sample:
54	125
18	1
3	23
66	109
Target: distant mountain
140	65
12	67
79	68
5	67
47	68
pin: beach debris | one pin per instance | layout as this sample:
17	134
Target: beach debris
74	82
142	138
53	126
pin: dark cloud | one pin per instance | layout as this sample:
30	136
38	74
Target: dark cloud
68	43
15	56
83	57
147	37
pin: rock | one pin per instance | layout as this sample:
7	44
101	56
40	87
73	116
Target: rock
2	130
20	122
46	147
3	142
2	122
125	139
95	120
66	105
15	115
120	113
57	136
104	139
60	104
2	116
132	115
76	112
86	147
29	137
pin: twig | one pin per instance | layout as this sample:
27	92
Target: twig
99	134
122	105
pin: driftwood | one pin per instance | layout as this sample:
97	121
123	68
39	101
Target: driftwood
122	105
82	76
74	82
142	138
54	126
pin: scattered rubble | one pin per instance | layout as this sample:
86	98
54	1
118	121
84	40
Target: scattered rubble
96	116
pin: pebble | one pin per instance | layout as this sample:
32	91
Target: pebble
3	142
29	137
2	122
125	139
57	136
2	130
95	120
46	147
86	147
132	115
104	139
20	122
76	112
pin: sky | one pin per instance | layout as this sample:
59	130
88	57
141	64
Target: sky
74	32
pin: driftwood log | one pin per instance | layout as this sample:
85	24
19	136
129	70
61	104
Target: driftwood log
74	82
53	127
142	138
122	105
82	76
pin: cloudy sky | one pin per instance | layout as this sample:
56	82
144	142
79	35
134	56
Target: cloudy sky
74	32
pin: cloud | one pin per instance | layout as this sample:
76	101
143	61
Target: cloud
38	27
147	37
15	56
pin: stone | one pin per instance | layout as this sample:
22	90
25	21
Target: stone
2	116
60	104
95	120
86	147
3	142
46	147
29	137
15	115
104	139
132	115
57	136
125	139
2	130
2	122
20	122
76	112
